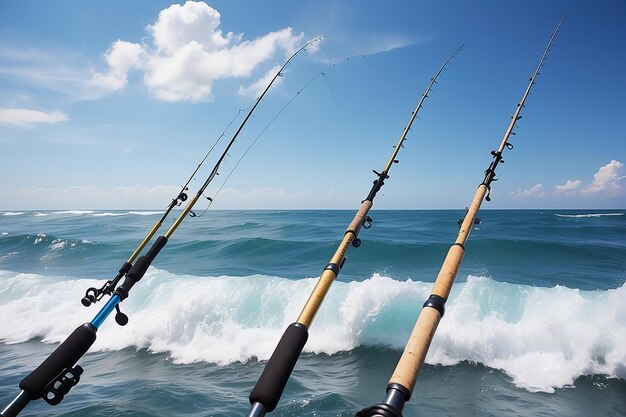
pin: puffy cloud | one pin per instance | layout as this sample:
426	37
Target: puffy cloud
569	187
121	57
178	26
189	53
536	190
607	179
29	118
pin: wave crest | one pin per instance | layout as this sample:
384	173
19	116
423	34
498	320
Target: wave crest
543	338
578	216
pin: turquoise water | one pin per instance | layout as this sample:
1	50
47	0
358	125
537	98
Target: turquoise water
536	324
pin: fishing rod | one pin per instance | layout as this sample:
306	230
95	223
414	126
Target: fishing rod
256	139
93	295
271	384
402	382
58	373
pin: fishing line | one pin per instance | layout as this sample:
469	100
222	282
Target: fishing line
330	90
256	139
321	73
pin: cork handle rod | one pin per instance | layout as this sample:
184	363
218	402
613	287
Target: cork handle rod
268	389
329	274
402	381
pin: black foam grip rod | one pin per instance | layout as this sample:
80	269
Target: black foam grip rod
17	405
65	356
379	410
141	266
271	384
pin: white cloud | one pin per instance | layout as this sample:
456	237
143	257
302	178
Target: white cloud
189	53
536	190
151	197
607	182
569	187
122	57
257	87
29	118
49	67
607	179
387	42
370	44
91	197
179	25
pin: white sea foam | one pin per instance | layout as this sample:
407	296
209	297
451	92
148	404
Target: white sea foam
543	338
39	238
76	212
12	213
128	213
589	215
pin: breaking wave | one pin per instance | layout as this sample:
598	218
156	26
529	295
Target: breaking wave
543	338
578	216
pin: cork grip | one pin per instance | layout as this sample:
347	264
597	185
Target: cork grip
448	271
415	351
357	222
416	348
468	222
324	283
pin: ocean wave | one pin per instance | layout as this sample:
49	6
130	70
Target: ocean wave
543	338
576	216
128	213
12	213
75	212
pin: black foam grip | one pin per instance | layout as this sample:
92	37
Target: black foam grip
139	269
379	410
141	266
156	247
271	384
65	356
125	268
133	276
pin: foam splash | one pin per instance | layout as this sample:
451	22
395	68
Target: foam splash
75	212
128	213
12	213
578	216
543	338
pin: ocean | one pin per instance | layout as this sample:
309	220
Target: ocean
535	325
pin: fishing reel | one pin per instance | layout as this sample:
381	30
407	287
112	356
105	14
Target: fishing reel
367	223
93	295
120	318
460	221
56	390
182	197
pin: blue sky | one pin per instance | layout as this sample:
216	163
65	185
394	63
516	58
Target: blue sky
111	104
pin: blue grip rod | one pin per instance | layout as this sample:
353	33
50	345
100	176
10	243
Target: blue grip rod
106	310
